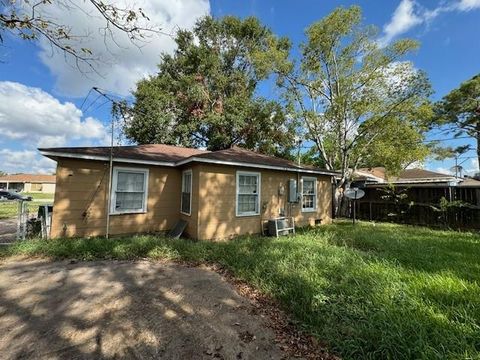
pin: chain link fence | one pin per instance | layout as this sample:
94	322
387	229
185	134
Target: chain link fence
21	219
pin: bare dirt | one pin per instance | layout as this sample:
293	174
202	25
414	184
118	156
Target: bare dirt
120	309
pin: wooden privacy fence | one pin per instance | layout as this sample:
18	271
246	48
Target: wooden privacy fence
419	214
442	206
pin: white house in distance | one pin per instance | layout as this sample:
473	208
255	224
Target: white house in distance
39	183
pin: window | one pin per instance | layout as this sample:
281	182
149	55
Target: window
36	187
186	192
248	193
309	194
129	190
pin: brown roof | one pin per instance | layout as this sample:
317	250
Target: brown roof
28	178
375	171
177	155
407	175
238	154
152	152
469	182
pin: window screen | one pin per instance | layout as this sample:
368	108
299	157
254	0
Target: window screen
186	192
309	194
129	191
247	194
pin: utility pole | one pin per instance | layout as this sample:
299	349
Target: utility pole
110	168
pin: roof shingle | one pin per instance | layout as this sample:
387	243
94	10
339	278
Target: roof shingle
177	155
152	152
28	178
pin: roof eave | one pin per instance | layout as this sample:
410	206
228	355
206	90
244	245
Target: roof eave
54	155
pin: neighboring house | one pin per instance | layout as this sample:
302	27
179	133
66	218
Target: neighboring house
424	190
40	183
424	186
220	194
416	177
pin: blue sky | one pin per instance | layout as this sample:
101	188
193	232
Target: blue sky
41	94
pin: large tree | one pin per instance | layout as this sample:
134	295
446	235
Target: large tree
360	104
206	93
459	111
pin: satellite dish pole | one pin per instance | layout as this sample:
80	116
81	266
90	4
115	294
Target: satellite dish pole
354	205
354	194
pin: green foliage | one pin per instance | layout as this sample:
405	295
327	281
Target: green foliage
446	208
441	153
398	197
361	105
460	110
373	291
204	95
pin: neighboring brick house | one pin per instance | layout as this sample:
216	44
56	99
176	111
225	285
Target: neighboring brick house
40	183
219	194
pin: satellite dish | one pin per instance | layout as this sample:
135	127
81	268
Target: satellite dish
354	193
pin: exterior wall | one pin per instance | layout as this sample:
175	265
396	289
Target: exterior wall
81	200
217	201
45	188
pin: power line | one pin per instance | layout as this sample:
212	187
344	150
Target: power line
85	98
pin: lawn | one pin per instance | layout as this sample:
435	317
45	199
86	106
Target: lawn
9	209
369	291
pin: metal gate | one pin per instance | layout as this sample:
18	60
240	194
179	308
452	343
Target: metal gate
21	219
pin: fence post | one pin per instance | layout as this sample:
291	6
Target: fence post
19	219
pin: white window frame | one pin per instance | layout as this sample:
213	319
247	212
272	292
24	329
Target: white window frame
189	171
314	179
237	193
113	194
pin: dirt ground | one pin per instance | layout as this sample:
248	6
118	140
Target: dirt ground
138	310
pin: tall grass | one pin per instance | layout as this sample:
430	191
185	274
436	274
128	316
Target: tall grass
371	292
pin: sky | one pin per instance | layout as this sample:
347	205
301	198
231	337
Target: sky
46	100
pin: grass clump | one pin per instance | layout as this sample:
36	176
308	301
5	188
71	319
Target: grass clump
371	292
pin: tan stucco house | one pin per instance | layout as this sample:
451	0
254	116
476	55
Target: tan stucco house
35	183
219	194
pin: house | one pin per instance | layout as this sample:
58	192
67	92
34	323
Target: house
415	177
40	183
422	186
220	194
424	190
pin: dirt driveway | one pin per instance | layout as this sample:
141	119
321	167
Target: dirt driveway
139	310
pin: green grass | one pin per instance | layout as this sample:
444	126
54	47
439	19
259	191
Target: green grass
371	292
40	196
9	209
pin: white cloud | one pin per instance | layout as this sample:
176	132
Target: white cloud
27	161
123	64
472	167
404	18
467	5
410	14
444	170
32	115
